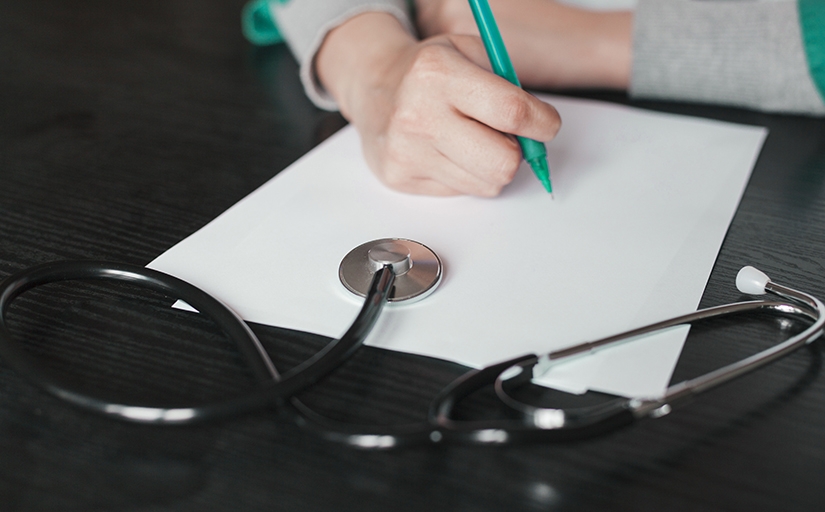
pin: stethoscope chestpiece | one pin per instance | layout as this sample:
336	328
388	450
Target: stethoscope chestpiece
416	267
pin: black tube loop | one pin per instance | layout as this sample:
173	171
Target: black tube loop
279	391
273	388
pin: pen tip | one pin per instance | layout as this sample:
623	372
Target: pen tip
547	186
542	172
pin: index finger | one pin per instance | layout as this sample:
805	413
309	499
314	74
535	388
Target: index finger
490	99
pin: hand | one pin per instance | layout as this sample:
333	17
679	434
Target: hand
432	119
551	45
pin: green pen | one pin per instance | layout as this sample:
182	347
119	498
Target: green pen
533	150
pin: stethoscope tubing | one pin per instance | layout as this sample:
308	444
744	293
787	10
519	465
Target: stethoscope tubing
272	389
276	391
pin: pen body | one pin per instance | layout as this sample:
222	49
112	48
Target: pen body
493	43
532	150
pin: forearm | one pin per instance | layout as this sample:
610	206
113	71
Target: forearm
558	46
551	45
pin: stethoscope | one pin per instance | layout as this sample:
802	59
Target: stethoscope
398	270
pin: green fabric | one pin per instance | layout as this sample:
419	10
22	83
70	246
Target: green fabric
257	24
812	19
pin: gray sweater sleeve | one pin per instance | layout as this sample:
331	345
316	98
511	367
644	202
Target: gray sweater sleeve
743	53
305	23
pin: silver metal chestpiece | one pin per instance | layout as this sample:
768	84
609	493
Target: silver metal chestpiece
417	268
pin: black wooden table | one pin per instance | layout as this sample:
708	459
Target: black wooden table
126	126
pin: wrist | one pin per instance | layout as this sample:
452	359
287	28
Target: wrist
355	57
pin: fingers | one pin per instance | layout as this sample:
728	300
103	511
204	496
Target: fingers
486	154
480	156
437	174
435	122
496	102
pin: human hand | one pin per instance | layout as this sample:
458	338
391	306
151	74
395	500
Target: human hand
552	45
432	118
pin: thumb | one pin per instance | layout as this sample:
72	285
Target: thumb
472	47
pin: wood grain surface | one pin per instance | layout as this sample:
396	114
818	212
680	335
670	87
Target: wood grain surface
126	126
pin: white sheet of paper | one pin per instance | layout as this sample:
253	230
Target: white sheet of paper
642	203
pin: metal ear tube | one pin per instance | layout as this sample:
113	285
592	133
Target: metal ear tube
749	280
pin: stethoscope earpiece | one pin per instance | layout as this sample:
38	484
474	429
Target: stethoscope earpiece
752	281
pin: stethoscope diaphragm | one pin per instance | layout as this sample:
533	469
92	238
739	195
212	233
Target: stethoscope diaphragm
416	267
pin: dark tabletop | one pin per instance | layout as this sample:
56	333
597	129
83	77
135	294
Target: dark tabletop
126	126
